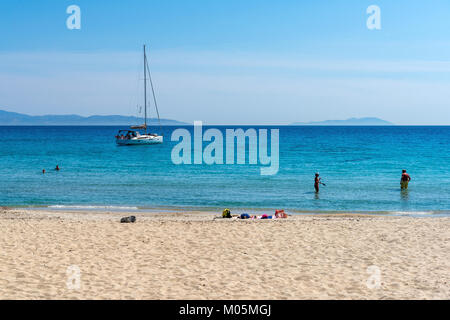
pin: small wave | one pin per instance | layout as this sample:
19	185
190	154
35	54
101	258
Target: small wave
412	212
74	207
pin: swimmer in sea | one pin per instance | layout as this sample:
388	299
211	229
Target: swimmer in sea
404	181
57	168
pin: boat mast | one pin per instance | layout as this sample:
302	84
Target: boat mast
145	90
154	96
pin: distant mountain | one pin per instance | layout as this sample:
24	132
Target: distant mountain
348	122
18	119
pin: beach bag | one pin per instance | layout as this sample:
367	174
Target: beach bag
245	216
280	214
226	213
131	219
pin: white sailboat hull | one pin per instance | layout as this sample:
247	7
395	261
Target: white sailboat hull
141	140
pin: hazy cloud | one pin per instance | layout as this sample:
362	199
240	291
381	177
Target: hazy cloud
227	88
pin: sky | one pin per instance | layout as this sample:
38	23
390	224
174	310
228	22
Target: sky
229	62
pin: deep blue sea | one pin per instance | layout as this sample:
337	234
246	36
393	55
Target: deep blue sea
361	167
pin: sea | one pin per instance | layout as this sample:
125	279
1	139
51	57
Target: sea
360	165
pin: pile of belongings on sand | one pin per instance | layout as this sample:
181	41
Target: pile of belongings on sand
279	214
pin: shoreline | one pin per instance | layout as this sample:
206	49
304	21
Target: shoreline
101	214
216	210
197	255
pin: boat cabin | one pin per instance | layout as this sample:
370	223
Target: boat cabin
127	134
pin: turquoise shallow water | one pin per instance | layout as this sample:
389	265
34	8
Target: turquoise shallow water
360	165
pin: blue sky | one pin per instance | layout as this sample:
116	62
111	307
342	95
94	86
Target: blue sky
230	62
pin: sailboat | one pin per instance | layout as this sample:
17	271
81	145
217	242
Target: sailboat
140	135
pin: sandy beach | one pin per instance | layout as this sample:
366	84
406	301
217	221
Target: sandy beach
196	255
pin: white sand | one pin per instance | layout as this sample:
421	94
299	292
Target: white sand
194	256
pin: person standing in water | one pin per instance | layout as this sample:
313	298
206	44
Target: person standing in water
57	168
317	182
404	181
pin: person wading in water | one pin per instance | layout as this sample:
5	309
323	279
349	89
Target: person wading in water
317	182
404	181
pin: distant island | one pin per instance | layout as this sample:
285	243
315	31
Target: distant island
17	119
348	122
